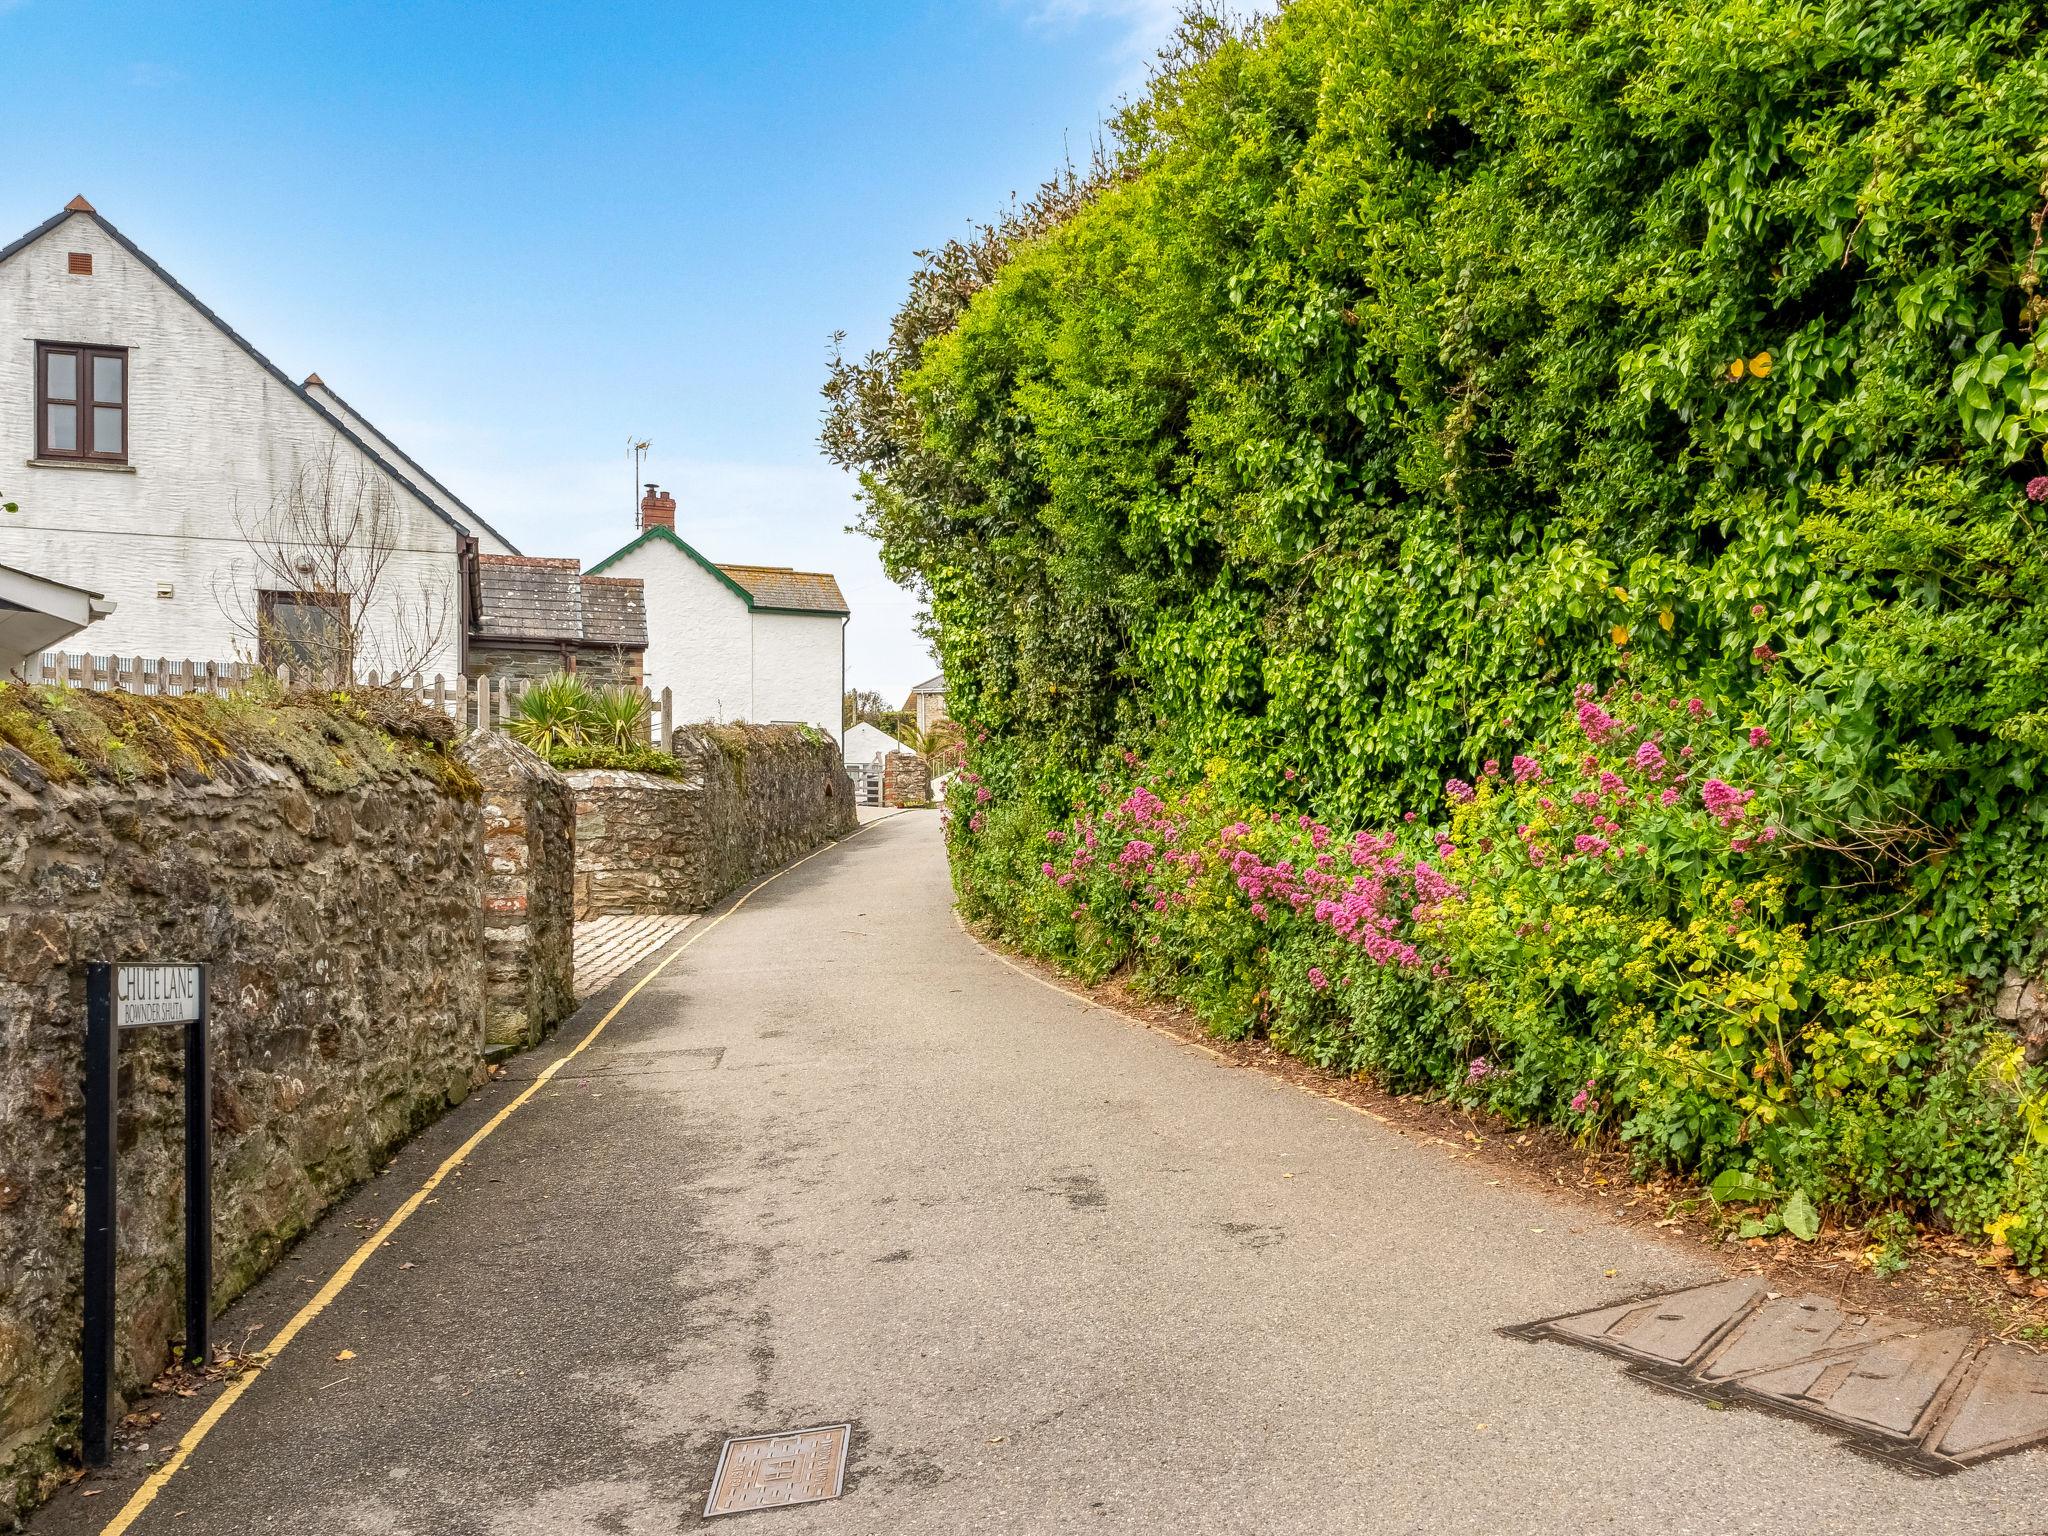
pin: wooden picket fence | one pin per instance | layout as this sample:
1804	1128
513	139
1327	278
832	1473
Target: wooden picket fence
479	703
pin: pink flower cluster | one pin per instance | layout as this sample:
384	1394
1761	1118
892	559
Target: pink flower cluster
1724	802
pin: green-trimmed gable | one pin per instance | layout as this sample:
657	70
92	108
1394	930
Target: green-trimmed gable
670	536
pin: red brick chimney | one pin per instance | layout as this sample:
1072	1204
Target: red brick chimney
657	510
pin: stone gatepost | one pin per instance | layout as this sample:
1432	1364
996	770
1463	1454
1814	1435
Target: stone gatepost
906	779
529	833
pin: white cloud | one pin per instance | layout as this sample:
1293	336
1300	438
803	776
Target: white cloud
1142	26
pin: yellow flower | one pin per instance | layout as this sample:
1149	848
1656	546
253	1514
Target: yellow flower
1996	1230
1737	368
1760	365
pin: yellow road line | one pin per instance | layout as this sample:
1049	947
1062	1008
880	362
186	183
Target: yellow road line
231	1394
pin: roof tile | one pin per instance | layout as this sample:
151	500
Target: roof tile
522	598
777	586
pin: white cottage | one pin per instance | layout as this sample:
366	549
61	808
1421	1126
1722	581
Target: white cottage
161	460
735	642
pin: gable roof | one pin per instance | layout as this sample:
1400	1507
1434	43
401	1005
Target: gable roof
763	588
314	381
930	685
78	207
521	598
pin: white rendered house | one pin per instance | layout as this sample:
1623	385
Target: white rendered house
735	642
160	459
868	743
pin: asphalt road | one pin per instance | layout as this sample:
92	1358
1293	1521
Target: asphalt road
1062	1273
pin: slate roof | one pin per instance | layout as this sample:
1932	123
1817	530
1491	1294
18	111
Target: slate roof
522	598
614	611
930	685
777	586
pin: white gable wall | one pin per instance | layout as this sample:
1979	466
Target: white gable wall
866	741
210	431
700	639
798	667
722	660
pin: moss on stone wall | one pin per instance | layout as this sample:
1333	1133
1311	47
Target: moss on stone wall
334	741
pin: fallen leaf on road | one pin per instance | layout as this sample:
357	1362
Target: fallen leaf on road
346	1354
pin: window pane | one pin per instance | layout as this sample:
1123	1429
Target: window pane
106	379
63	375
63	430
106	429
301	631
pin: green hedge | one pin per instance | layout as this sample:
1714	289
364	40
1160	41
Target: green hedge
1413	363
1410	374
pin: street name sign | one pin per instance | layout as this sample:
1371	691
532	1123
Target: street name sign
156	994
118	998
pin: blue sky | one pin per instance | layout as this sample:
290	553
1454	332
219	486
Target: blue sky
515	236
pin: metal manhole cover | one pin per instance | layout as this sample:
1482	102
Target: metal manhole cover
1932	1399
766	1471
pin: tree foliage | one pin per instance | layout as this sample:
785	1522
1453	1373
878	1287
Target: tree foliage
1400	365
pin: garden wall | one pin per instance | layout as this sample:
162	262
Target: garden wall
328	872
748	800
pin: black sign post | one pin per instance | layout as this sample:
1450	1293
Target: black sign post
119	997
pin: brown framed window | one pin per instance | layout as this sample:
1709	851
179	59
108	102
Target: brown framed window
306	631
81	402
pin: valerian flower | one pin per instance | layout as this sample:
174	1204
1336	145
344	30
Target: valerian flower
1596	722
1725	802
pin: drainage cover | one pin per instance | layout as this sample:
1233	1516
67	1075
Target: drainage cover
765	1471
1932	1399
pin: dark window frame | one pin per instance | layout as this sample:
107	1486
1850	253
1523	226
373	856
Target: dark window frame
269	632
81	402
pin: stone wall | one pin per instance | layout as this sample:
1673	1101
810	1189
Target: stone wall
2022	1006
343	926
529	870
639	843
906	779
598	665
749	800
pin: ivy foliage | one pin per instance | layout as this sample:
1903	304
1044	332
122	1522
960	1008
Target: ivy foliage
1404	364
